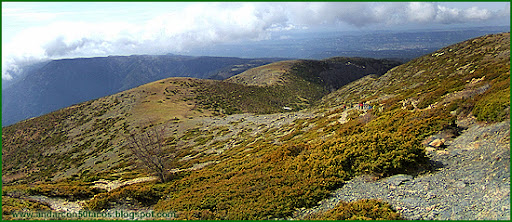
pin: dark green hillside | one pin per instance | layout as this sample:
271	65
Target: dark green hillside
230	98
336	72
292	85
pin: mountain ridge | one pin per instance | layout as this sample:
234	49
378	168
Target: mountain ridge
65	82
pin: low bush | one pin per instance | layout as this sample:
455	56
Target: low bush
266	180
10	205
359	210
143	194
493	107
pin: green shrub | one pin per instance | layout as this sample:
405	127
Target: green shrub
359	210
431	98
494	107
10	205
272	180
145	194
230	98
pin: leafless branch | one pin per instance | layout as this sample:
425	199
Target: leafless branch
148	146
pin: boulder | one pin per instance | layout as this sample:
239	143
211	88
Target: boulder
437	143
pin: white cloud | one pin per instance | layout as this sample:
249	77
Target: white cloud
475	13
421	11
453	15
206	24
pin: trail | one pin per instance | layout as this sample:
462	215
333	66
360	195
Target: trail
111	185
58	204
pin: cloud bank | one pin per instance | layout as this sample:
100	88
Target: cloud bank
212	23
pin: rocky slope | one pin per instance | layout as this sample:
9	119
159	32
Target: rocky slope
470	181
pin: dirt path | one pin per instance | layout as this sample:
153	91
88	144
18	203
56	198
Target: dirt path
111	185
58	204
63	205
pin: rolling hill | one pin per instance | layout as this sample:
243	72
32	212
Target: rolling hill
264	143
60	83
171	99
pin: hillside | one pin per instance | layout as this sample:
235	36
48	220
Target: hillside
289	85
331	73
234	152
60	83
175	100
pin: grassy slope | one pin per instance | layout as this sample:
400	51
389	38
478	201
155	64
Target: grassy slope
91	135
266	75
472	76
269	171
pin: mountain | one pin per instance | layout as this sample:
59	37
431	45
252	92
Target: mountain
265	143
180	99
56	84
295	84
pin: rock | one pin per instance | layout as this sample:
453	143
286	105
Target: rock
430	208
58	204
460	184
427	140
429	149
466	122
442	152
437	143
430	195
398	179
476	80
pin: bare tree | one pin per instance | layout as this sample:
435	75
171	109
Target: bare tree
148	146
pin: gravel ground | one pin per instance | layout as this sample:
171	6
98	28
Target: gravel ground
58	204
471	183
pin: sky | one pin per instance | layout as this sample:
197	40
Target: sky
38	31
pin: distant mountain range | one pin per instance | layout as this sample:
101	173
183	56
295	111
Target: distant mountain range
402	45
49	86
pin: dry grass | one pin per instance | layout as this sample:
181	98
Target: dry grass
166	100
271	74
